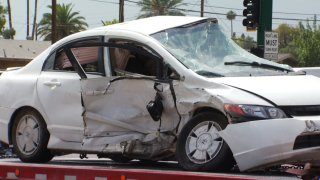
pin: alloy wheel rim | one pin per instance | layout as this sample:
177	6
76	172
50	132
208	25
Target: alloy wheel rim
28	134
203	142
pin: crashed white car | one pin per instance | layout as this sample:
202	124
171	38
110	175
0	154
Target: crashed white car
157	89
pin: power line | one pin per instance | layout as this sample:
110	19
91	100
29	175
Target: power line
240	9
218	7
290	13
216	13
295	19
107	2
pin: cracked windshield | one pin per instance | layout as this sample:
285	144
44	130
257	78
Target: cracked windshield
205	49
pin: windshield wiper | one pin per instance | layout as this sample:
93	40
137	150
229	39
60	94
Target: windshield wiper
209	73
256	64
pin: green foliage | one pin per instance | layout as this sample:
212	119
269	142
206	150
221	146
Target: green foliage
286	39
107	23
68	22
307	42
3	12
246	42
8	33
286	36
231	15
159	7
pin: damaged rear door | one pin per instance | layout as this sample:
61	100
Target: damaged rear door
116	115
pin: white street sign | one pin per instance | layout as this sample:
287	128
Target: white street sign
271	45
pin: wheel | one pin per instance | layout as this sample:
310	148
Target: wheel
30	137
199	146
119	158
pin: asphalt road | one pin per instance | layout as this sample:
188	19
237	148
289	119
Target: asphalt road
93	161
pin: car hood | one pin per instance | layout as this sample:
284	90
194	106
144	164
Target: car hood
281	90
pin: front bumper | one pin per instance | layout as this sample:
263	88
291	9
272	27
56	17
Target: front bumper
263	143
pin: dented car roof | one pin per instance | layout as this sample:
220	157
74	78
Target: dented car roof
152	25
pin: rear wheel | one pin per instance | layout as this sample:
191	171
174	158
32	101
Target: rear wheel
30	137
199	146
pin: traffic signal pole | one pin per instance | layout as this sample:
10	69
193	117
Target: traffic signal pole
202	8
121	10
265	23
258	16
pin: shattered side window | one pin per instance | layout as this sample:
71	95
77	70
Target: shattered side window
127	61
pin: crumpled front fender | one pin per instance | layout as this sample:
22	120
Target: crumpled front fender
259	144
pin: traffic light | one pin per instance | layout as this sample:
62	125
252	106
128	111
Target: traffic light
252	14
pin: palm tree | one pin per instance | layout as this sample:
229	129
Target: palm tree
160	7
3	12
231	16
9	16
107	23
68	22
34	24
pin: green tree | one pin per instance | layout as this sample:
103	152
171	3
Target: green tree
246	42
3	12
68	22
160	7
9	33
107	23
231	16
286	36
307	42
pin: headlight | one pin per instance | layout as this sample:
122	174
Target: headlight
253	112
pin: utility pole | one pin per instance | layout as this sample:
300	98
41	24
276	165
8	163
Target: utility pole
121	10
28	23
34	19
202	8
265	21
10	20
54	22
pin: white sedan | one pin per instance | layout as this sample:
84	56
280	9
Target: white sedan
156	89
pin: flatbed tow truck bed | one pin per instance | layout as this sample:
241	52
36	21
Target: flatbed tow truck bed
71	167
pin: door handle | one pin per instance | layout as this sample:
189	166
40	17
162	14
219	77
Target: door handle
52	83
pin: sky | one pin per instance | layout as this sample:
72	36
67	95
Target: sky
96	11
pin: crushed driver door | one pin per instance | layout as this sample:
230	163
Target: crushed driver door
115	108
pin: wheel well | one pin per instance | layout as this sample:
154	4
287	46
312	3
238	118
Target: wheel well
207	109
14	116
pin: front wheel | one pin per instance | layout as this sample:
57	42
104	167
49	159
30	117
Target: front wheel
30	137
199	146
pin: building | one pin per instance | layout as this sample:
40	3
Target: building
17	53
